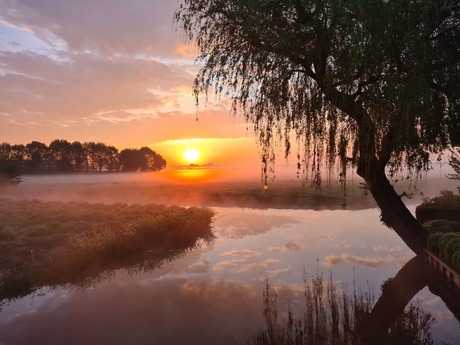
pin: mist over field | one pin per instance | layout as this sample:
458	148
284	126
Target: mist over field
219	186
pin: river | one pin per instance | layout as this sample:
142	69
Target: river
214	293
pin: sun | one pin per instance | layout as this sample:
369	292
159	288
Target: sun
191	155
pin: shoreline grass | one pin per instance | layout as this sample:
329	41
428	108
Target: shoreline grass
333	315
48	243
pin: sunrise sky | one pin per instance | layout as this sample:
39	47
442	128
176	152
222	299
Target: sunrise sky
110	71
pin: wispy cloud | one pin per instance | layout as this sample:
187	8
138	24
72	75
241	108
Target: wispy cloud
242	253
325	237
386	249
274	273
367	261
105	27
262	266
241	262
288	247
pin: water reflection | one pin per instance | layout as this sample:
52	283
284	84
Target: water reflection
166	312
202	311
333	315
213	294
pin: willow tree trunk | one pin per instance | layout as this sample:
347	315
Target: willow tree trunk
394	212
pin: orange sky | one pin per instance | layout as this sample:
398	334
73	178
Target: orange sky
114	73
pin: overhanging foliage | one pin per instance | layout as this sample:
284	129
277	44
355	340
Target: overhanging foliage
356	81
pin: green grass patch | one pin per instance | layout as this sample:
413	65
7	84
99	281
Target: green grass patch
46	243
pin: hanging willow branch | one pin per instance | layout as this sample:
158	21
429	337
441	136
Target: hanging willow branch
366	82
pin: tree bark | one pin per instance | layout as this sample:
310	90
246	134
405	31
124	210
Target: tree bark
394	212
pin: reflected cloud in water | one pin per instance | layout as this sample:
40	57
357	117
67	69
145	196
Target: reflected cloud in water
165	312
288	247
366	261
235	223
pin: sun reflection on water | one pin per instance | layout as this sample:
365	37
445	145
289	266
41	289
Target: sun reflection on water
192	175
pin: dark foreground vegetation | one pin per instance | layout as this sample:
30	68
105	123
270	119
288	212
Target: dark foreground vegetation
331	315
440	216
54	243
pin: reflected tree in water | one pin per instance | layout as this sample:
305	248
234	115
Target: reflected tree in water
333	316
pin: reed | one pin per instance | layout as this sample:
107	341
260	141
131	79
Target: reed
332	316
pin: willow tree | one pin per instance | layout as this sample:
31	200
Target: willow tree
372	83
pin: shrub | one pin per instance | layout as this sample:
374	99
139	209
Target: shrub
441	225
446	199
447	247
452	247
443	242
433	242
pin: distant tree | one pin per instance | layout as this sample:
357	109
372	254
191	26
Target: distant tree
36	154
159	163
5	151
113	161
78	155
104	156
131	160
143	159
36	151
88	148
61	154
152	160
18	152
100	155
10	168
374	84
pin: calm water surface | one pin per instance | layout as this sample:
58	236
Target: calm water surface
213	295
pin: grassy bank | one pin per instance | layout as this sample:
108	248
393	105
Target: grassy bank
47	243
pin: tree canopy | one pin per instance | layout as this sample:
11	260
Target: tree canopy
373	83
142	159
62	156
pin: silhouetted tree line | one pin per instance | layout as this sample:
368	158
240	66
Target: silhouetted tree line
64	156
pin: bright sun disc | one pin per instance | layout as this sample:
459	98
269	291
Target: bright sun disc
191	155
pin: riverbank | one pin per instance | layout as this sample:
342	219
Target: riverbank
46	243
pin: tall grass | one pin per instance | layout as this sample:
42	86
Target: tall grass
174	225
332	317
58	243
